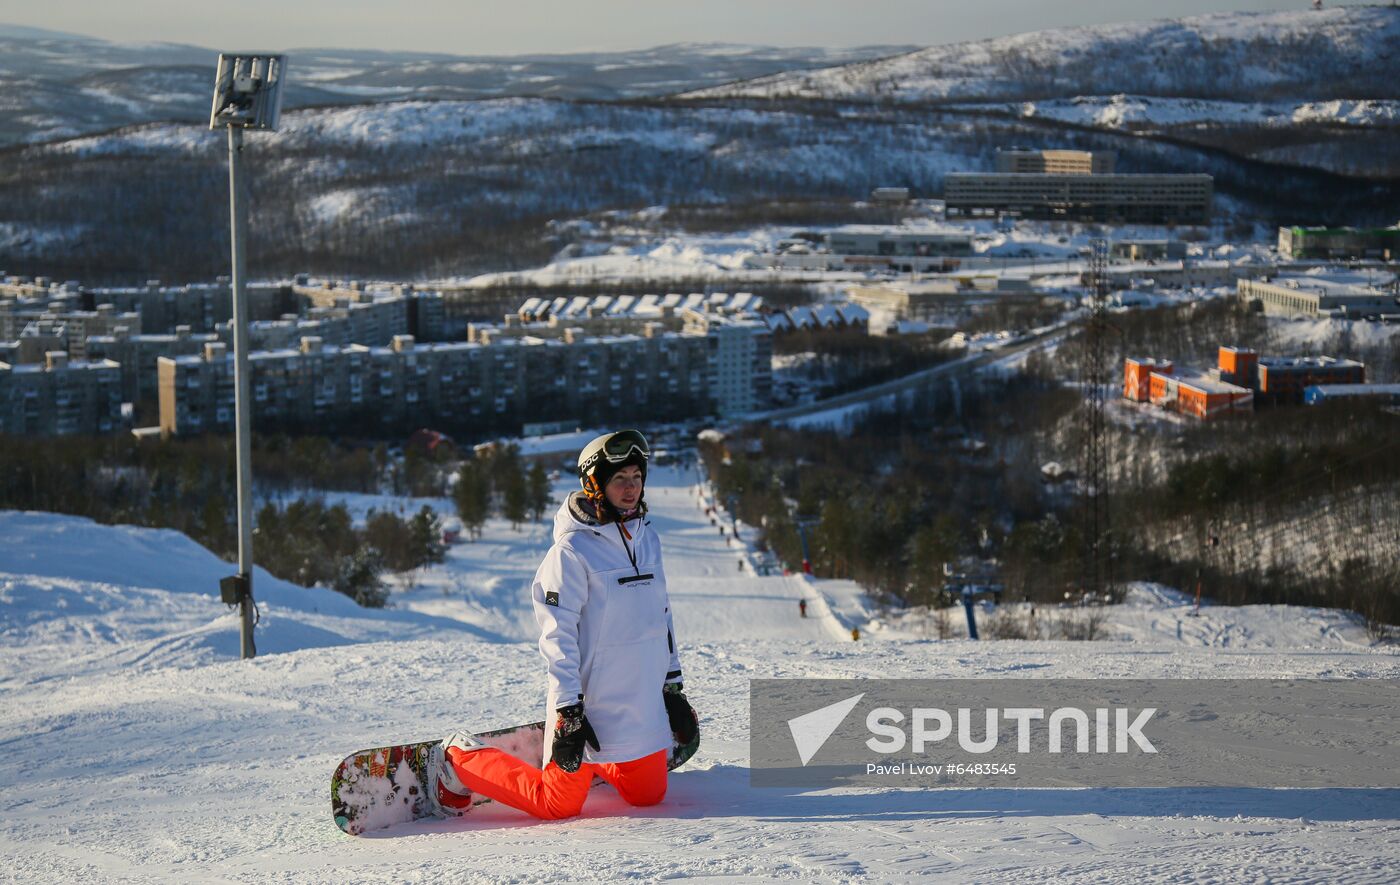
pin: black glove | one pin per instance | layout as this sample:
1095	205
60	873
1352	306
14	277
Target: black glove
571	729
685	725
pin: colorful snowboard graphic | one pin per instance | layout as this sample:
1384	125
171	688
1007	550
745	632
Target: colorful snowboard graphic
380	787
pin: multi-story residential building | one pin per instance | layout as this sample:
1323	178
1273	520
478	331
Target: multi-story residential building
374	322
371	322
137	354
1056	162
39	339
1337	294
1145	199
1339	242
492	382
41	289
202	307
76	325
60	397
740	370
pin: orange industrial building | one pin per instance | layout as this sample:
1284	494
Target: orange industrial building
1239	365
1200	396
1283	379
1240	378
1137	376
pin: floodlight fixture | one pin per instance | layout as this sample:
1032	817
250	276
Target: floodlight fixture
248	91
247	95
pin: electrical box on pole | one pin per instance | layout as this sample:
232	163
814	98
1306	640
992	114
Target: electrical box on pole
247	95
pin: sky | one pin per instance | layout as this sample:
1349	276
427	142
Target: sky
541	26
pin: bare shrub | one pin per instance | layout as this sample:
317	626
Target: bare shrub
943	623
1007	624
1084	625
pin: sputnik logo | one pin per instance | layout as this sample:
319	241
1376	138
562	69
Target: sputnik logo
811	730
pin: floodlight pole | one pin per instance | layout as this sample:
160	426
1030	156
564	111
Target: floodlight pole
247	94
238	231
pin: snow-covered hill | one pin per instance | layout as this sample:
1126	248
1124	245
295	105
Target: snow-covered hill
136	756
60	85
1336	53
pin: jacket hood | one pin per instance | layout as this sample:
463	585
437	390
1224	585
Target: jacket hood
577	514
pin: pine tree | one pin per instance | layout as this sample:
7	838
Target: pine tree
514	496
472	494
427	537
358	578
538	491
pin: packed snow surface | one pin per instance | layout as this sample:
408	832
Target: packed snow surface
141	749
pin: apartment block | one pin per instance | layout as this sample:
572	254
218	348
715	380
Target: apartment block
492	381
137	354
60	397
76	325
202	307
740	365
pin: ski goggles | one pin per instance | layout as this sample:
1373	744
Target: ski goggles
614	448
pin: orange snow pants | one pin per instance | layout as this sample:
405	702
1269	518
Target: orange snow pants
552	793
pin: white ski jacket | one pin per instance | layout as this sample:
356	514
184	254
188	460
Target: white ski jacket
605	631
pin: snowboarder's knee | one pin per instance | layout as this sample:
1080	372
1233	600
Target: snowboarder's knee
647	794
560	809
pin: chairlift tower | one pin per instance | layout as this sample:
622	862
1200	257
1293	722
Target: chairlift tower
1096	575
247	95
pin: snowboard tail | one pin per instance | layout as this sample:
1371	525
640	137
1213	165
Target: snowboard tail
383	786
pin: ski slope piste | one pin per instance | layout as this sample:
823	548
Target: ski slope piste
138	748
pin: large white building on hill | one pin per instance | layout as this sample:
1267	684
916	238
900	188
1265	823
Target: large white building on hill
1339	294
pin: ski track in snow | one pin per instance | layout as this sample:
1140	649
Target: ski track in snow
140	750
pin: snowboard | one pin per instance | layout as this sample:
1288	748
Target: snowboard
383	786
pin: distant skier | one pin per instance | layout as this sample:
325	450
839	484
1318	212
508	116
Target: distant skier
615	694
802	607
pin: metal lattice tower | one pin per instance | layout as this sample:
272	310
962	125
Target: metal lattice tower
1095	376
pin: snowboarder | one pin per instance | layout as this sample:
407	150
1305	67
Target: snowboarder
802	607
615	697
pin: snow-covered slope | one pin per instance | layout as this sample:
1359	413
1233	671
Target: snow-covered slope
77	596
1137	112
1340	52
195	766
60	85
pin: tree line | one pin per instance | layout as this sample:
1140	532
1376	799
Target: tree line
189	485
